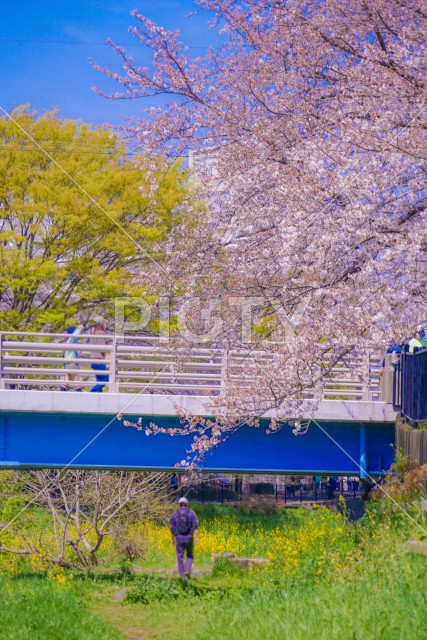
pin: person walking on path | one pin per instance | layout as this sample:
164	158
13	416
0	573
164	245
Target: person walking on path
185	531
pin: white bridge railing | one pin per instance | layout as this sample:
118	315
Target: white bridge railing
148	365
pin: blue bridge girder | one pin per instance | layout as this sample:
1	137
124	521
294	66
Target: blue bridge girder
41	426
97	441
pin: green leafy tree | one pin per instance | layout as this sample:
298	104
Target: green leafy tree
78	219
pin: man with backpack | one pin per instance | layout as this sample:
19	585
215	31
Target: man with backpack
185	531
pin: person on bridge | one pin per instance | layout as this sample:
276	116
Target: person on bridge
423	337
98	337
415	342
71	356
185	531
103	378
395	350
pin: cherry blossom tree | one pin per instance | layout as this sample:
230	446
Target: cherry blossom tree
307	129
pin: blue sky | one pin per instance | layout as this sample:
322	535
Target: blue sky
47	74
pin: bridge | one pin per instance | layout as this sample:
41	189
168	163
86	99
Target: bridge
350	433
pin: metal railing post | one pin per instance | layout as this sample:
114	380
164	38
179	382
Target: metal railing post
386	381
224	367
366	392
397	384
113	367
319	388
2	385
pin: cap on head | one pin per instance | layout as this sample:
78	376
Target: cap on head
183	501
421	331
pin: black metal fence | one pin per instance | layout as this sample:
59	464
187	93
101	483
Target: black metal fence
286	492
410	385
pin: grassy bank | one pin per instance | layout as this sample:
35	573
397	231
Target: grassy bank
42	607
384	595
326	578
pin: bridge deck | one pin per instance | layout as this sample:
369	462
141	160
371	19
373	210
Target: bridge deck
40	426
162	405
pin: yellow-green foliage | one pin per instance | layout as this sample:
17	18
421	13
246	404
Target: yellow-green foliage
75	213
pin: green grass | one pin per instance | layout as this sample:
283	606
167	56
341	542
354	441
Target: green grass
380	592
368	588
40	609
385	598
160	621
367	606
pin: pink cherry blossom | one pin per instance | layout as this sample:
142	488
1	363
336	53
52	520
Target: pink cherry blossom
307	126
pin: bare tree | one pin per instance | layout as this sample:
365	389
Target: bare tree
84	508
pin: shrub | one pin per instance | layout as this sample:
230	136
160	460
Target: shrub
256	505
226	567
130	542
415	482
154	588
398	496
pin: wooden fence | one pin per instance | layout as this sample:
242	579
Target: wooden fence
412	441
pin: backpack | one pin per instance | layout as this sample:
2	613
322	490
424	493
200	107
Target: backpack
183	522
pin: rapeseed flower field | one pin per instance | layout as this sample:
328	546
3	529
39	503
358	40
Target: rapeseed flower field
324	578
294	539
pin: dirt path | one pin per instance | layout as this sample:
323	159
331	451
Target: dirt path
197	573
141	622
121	617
